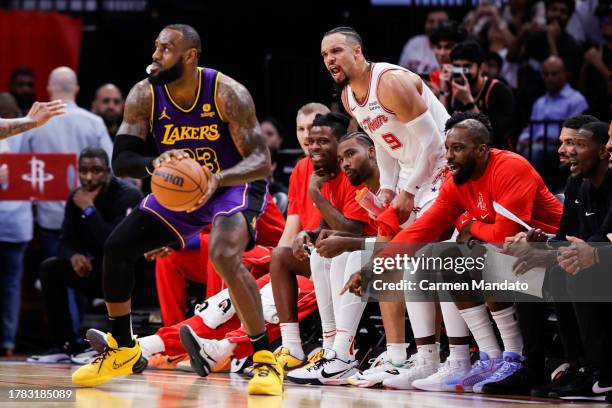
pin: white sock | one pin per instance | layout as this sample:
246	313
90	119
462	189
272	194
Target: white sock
422	318
151	345
478	322
508	325
290	332
453	322
396	353
429	352
320	274
459	352
350	306
329	334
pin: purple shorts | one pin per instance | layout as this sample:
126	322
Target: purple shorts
250	199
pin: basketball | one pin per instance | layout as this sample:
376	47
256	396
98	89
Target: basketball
180	184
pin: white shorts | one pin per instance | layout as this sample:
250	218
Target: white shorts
427	194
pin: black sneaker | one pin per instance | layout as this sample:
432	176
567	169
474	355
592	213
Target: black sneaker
603	388
580	389
562	376
518	383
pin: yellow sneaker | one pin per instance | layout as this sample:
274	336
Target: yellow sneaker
315	357
287	361
112	362
267	375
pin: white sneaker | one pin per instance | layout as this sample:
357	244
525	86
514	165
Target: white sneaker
419	368
330	370
442	380
84	357
203	355
380	369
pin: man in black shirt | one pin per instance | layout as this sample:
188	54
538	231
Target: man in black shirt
92	211
473	91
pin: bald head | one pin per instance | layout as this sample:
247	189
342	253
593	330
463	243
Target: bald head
63	84
554	74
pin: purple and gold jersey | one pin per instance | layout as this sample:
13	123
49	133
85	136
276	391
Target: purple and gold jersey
199	130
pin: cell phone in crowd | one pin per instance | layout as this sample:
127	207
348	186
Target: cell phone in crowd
458	72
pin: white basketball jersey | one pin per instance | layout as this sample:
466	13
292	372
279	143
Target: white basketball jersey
384	127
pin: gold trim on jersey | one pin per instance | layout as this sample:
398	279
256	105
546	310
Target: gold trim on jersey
161	217
152	107
244	194
215	97
176	105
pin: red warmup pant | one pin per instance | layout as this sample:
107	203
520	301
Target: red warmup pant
172	272
232	330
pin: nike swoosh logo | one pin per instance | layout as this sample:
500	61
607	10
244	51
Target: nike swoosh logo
117	366
576	202
599	390
328	375
173	359
588	214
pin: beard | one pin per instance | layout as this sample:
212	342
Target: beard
465	173
166	76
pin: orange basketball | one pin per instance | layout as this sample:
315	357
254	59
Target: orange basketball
178	185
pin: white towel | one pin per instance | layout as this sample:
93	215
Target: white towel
267	302
216	310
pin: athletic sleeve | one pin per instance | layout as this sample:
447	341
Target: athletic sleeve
514	188
437	219
388	168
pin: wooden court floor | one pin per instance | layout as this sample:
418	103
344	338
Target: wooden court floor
176	389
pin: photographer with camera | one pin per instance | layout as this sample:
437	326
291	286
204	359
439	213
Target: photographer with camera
466	88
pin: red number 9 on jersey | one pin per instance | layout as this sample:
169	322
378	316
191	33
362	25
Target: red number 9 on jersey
392	141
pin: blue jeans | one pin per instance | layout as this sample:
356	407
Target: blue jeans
11	271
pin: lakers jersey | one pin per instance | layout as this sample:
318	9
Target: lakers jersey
200	130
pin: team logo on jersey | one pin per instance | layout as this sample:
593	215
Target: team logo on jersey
173	134
164	115
482	206
206	113
374	124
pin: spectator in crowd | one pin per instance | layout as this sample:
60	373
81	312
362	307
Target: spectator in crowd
596	75
108	104
492	66
21	86
443	39
475	92
15	233
69	133
272	130
92	212
583	24
559	103
417	55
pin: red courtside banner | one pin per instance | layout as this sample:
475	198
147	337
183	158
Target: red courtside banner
39	176
39	40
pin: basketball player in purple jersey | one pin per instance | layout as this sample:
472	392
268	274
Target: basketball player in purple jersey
199	113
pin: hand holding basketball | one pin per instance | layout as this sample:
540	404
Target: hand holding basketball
180	184
170	156
214	181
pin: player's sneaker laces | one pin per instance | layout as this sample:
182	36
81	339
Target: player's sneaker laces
512	363
481	370
114	361
287	361
267	375
417	369
380	368
201	361
444	379
329	370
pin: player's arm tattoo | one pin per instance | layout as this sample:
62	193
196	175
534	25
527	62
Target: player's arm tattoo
237	108
137	111
10	127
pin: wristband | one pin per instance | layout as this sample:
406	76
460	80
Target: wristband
88	211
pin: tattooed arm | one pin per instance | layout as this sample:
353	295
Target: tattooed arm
129	158
237	108
38	115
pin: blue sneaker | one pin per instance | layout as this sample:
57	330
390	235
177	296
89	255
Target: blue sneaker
481	370
512	362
